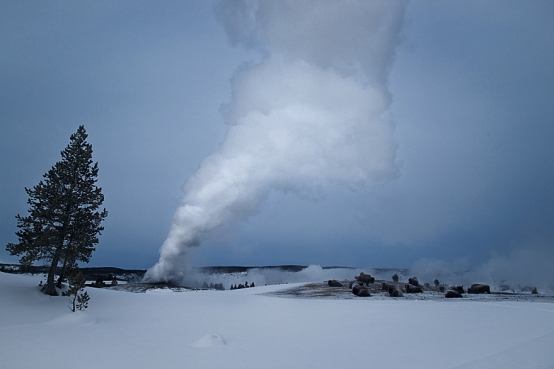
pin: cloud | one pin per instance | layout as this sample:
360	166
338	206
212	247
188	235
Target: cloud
306	115
352	37
525	266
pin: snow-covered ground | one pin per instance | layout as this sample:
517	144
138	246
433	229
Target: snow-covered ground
250	329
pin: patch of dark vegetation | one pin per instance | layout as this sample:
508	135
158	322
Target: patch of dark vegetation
240	286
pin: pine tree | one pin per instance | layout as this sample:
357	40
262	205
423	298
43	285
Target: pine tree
82	301
64	221
77	300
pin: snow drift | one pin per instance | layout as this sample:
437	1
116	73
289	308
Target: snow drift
243	329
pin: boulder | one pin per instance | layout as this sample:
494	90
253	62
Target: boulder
365	278
479	288
413	289
334	283
395	292
355	288
459	289
413	281
452	294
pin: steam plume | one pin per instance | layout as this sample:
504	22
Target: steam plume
311	112
527	265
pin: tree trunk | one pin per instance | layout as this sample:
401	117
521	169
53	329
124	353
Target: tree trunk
50	288
62	274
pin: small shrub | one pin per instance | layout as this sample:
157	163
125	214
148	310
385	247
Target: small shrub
77	299
82	301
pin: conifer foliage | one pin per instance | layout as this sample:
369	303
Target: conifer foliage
77	299
64	219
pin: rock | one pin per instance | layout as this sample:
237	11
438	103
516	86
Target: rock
459	289
355	288
452	294
365	278
413	289
479	288
334	283
395	292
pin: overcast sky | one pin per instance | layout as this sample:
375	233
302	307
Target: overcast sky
469	130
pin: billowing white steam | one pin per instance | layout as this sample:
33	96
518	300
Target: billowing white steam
528	265
312	112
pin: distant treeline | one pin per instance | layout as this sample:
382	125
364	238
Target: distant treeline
38	269
242	269
88	272
91	272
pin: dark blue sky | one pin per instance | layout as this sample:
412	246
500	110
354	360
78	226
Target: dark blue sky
471	85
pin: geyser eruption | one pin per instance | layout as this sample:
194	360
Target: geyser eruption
313	111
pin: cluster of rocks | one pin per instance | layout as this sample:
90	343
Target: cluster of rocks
364	284
397	290
358	289
458	291
359	286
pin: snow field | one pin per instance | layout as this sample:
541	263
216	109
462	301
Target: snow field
243	329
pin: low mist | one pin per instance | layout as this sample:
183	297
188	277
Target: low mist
518	271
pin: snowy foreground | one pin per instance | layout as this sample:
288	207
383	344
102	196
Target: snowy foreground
249	329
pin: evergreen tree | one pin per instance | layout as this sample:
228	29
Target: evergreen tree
77	300
82	301
64	220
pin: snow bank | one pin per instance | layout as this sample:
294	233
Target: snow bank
76	319
209	340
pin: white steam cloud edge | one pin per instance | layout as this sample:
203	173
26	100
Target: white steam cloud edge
272	276
312	112
525	267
